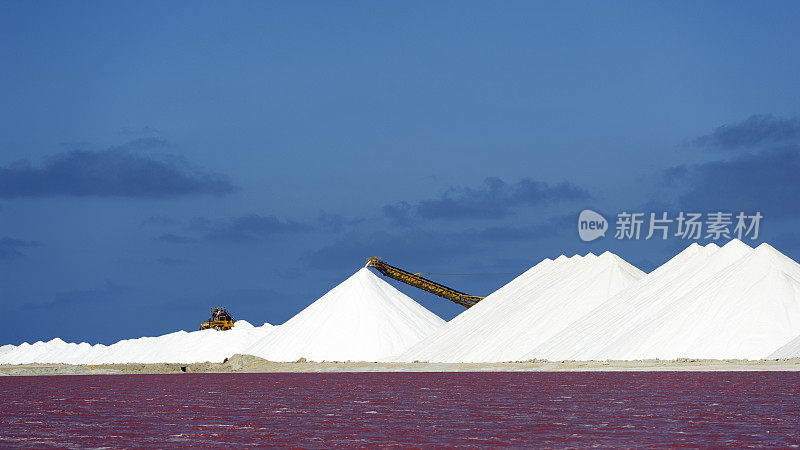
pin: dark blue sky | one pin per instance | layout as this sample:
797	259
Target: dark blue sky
160	158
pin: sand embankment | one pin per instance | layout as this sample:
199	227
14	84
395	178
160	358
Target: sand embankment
252	364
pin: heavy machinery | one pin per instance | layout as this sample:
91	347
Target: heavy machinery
416	280
220	320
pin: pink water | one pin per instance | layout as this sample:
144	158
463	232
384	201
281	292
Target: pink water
367	409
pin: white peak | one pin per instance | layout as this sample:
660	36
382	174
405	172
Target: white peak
363	318
733	250
608	256
693	248
768	251
539	266
764	247
612	259
514	319
542	263
736	244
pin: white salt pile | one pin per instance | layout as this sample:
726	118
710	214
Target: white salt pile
610	319
789	350
178	347
6	348
733	302
362	319
513	320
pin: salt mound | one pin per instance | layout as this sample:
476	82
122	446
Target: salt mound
513	320
240	324
789	350
6	348
706	302
733	302
177	347
584	338
362	319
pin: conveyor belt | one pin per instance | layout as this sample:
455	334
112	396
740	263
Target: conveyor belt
420	282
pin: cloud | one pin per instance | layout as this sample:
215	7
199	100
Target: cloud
513	233
156	221
423	246
494	200
10	248
82	297
116	172
414	246
753	131
143	143
336	222
399	213
252	228
175	239
766	181
552	227
140	131
172	261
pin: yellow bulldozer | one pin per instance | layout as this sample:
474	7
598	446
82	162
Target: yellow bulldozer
220	320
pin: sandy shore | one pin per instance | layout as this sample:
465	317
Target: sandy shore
251	364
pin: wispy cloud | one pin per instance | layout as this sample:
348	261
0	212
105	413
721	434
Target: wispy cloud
172	238
172	261
253	227
82	297
138	131
143	143
336	222
494	200
423	246
156	221
765	181
753	131
115	172
399	213
549	228
411	245
11	248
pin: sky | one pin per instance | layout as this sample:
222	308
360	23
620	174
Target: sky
158	159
